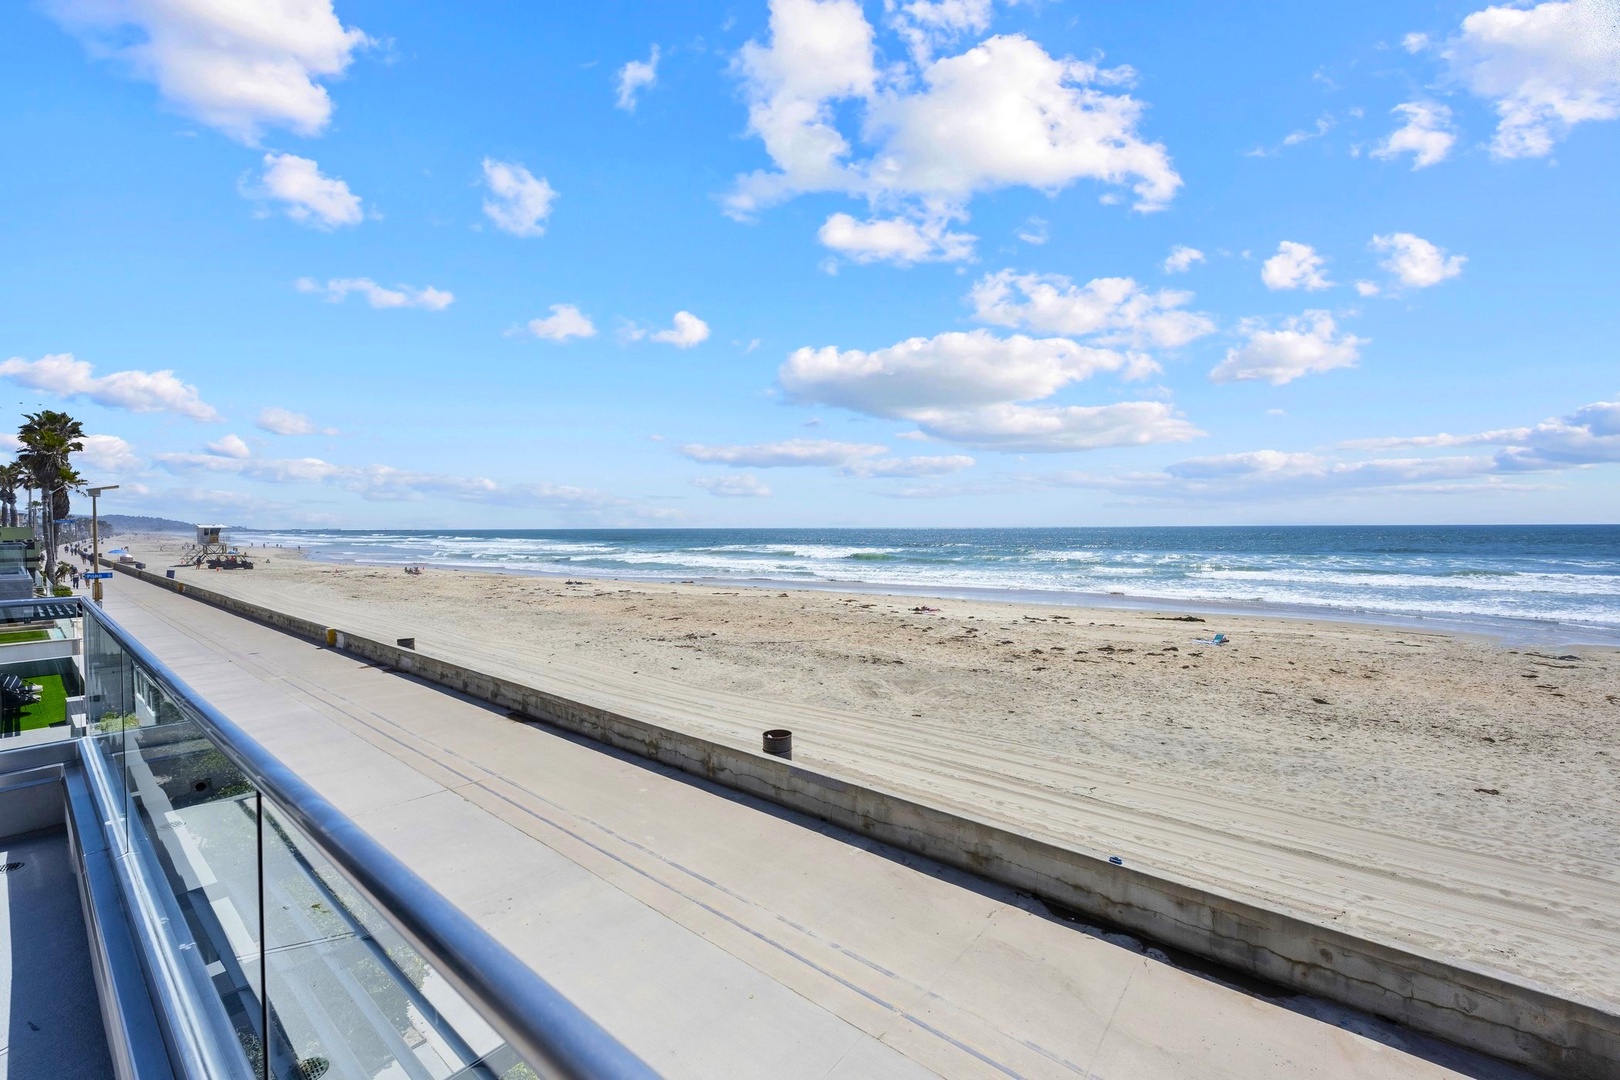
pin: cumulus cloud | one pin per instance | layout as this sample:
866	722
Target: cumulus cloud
337	290
1306	345
1415	261
688	330
306	196
236	68
1545	69
1182	258
108	455
1116	311
635	77
279	421
136	391
733	487
1426	134
565	321
968	388
1295	266
231	446
898	240
519	203
938	131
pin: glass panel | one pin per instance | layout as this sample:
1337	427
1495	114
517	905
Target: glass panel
200	816
41	686
109	695
349	998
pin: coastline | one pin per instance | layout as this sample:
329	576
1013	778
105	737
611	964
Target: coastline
1403	782
1507	630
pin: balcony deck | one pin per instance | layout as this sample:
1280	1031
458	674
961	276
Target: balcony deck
50	1019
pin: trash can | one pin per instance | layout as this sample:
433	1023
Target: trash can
779	741
170	573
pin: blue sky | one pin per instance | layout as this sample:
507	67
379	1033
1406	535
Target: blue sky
818	262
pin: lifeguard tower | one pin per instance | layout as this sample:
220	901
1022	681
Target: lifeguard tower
211	542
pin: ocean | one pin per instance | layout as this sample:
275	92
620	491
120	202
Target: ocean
1563	578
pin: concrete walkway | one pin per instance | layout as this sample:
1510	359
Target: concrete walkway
721	937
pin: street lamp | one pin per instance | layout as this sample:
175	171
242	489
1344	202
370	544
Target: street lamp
95	540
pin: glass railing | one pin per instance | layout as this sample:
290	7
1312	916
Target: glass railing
282	942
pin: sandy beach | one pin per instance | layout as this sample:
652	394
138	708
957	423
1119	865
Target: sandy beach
1455	794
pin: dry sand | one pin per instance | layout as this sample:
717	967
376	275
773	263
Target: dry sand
1450	793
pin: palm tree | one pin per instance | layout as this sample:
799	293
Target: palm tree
49	440
11	478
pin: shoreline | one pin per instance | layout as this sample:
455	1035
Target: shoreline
1505	630
1411	785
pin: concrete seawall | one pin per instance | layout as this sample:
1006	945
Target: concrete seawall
1487	1011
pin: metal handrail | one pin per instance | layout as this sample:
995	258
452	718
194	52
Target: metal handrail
550	1031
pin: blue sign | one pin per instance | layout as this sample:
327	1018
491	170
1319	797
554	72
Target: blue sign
105	575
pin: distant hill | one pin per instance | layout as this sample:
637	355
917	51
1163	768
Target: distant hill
136	523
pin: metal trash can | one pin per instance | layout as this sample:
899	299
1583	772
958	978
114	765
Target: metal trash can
170	573
779	741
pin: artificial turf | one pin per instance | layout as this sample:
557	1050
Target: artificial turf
11	637
51	708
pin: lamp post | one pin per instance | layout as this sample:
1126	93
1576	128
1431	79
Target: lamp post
95	540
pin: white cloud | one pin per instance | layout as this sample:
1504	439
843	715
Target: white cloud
231	446
635	77
925	25
108	454
910	467
306	196
565	321
386	483
279	421
966	387
235	67
688	330
1427	134
851	459
1295	266
1033	231
1545	68
733	487
895	240
1368	288
137	391
791	453
401	296
1306	345
1415	42
1588	436
519	203
1116	310
1415	261
1182	258
1004	113
1044	429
